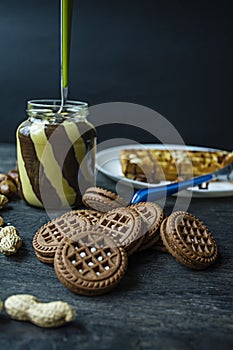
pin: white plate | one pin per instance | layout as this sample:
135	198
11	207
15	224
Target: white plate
108	163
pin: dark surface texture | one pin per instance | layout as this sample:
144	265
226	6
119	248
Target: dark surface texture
159	304
174	56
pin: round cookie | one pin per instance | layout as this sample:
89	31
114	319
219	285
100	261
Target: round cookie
188	240
152	215
43	259
125	226
90	263
48	237
92	216
174	251
102	200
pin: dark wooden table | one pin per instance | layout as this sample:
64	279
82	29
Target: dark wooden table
159	304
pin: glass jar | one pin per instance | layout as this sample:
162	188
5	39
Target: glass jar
55	154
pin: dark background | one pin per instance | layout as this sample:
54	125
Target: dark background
174	56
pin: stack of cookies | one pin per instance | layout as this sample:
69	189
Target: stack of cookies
90	247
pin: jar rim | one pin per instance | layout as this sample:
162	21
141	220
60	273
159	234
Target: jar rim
50	109
55	103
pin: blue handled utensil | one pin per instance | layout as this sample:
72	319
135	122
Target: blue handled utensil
155	193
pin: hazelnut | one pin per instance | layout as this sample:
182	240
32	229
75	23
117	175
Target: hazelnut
13	173
8	188
4	177
3	203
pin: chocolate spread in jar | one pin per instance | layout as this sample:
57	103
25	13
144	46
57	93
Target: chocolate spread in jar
56	161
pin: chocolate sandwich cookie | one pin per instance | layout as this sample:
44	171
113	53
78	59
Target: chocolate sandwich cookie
92	216
152	216
44	259
125	226
102	200
188	240
46	240
90	263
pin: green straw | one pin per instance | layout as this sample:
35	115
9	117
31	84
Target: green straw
65	35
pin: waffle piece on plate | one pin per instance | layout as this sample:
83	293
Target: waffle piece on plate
154	165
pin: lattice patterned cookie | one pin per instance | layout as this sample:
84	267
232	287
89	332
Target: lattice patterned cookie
188	240
102	200
48	237
152	216
44	259
125	226
90	263
93	216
